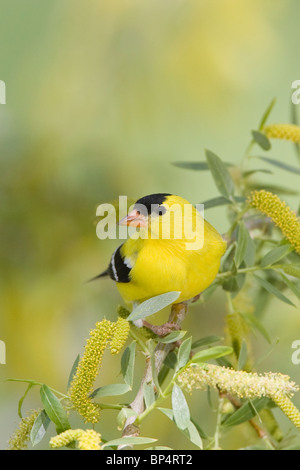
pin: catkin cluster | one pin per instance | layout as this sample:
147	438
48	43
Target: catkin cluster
20	438
86	439
242	384
271	205
283	131
106	333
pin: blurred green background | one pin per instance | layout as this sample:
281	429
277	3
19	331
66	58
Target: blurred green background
101	97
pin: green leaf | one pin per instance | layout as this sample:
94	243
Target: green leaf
54	409
292	270
73	371
261	139
275	255
246	412
255	323
159	448
193	432
220	174
172	337
39	428
171	360
266	114
149	395
281	165
259	170
180	408
111	390
199	343
243	356
198	166
184	352
127	364
193	435
273	290
123	415
128	441
211	353
153	305
291	285
242	244
215	202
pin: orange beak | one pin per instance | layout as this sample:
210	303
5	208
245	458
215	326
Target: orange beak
134	219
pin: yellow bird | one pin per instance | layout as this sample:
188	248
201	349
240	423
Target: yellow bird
172	249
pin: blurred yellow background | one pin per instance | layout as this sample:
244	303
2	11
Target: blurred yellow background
101	97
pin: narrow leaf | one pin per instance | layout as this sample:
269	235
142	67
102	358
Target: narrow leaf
281	165
211	353
128	441
127	363
220	174
255	323
149	395
261	139
243	356
193	435
242	244
275	255
273	290
153	305
206	340
73	371
215	202
246	412
198	166
39	428
54	409
172	337
292	270
111	390
291	285
184	352
180	408
266	114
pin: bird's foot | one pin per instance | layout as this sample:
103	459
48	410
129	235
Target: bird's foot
161	330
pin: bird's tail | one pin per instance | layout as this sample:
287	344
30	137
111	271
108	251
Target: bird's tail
105	273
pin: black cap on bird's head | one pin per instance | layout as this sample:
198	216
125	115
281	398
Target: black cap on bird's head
142	208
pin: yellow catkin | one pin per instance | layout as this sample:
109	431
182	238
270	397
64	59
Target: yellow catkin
87	371
272	206
120	334
288	408
20	438
65	438
243	384
283	131
87	439
144	332
237	383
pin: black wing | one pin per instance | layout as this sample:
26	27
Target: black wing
118	270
